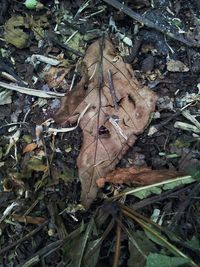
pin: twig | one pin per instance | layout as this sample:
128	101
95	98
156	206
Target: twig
117	246
149	23
5	249
46	250
134	51
184	205
56	220
81	30
66	47
50	248
112	90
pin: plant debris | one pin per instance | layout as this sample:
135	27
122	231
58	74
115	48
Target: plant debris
119	110
99	106
138	176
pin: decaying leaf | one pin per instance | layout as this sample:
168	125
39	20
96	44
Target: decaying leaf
140	176
119	110
14	34
30	147
176	66
5	97
55	77
13	140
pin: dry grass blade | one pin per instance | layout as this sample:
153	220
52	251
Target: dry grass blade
29	91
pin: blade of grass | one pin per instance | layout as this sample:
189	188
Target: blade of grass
170	234
163	240
87	234
92	250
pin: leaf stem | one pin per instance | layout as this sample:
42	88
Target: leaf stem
117	246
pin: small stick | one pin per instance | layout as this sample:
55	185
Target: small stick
65	46
112	90
149	23
117	246
19	241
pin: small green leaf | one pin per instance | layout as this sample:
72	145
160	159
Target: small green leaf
36	165
145	193
27	138
139	248
67	175
156	239
31	4
194	244
155	260
177	183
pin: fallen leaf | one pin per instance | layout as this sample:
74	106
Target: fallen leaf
30	147
36	164
55	77
139	176
176	66
114	117
5	97
139	248
13	140
155	259
14	33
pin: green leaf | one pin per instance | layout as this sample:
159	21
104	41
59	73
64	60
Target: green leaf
155	260
139	248
177	183
145	193
36	165
154	238
194	172
194	244
67	175
93	249
31	4
74	250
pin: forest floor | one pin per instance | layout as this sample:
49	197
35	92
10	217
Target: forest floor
43	217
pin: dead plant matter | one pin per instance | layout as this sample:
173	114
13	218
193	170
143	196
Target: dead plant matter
119	110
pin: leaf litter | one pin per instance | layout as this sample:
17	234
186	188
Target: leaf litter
38	168
120	109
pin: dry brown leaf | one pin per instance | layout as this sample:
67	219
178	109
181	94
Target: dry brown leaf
108	131
30	147
56	77
139	176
